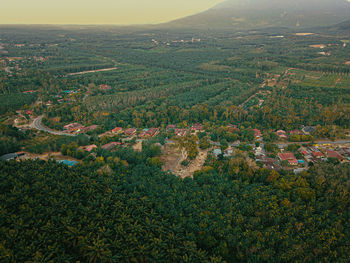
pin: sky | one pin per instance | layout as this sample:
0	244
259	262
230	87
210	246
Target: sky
99	11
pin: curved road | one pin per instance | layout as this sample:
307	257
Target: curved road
39	126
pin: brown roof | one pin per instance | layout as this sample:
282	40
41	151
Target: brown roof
333	154
286	156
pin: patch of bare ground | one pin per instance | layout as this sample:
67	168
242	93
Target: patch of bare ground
91	71
347	63
304	34
318	46
171	157
137	146
195	165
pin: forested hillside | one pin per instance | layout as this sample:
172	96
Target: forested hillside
133	212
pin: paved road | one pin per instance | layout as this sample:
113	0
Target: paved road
39	126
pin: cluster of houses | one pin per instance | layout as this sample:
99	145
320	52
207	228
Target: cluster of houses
316	154
306	130
78	128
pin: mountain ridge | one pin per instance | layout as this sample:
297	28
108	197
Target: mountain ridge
253	14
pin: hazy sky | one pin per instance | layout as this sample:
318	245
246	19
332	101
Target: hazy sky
98	11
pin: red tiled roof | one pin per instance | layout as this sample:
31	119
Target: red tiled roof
281	132
130	131
286	156
293	162
317	154
333	154
72	126
180	132
257	132
117	129
152	131
197	126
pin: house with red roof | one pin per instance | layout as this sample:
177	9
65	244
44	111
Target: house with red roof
290	157
197	127
317	154
117	130
152	132
88	148
73	127
29	112
282	134
180	132
130	132
333	154
257	133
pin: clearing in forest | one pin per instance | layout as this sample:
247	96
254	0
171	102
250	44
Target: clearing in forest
195	165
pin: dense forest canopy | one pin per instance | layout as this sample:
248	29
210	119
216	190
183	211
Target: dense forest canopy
137	213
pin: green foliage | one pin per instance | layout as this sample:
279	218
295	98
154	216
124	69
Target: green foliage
138	213
11	139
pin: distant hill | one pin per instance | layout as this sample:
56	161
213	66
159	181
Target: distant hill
251	14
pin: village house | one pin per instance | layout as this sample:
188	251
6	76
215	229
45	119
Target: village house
88	148
72	127
317	154
333	154
117	130
257	134
110	146
130	132
197	127
217	152
288	157
228	153
282	134
152	132
29	112
180	132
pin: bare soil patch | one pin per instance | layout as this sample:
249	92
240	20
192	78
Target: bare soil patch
304	34
171	157
195	165
138	146
91	71
318	46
